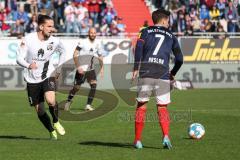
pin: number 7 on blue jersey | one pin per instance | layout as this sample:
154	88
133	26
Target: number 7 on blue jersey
162	37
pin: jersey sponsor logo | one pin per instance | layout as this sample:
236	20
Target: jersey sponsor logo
206	50
50	46
40	52
40	55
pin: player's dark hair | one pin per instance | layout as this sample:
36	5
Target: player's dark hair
159	15
42	19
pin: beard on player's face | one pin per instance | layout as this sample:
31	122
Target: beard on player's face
47	34
48	29
92	37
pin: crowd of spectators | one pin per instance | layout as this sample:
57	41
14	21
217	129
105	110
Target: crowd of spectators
191	16
77	16
70	16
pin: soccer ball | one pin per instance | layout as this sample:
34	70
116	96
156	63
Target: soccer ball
196	131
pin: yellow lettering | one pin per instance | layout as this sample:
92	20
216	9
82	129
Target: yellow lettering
194	56
201	52
214	54
234	54
208	55
225	50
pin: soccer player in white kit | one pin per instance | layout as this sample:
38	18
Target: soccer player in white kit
83	56
35	55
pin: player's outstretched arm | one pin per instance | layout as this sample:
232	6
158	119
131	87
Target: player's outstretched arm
134	75
62	57
21	56
178	62
137	58
139	53
76	60
100	58
177	52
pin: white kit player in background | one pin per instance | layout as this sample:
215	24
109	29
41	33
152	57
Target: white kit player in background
35	55
34	52
84	54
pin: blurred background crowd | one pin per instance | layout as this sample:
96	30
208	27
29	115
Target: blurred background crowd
191	16
77	16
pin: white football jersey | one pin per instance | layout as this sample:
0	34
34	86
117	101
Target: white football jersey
88	51
41	52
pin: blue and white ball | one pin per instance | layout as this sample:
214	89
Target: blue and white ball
196	131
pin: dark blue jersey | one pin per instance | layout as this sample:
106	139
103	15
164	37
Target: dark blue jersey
153	50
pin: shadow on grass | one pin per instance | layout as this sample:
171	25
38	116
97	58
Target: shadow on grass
192	139
113	144
20	137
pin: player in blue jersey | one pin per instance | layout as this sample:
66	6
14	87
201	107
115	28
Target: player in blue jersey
152	54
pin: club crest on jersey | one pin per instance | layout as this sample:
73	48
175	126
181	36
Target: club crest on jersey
40	52
50	46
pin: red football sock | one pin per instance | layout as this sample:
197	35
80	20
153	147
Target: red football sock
164	119
139	122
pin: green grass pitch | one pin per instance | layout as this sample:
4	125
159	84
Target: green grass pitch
110	137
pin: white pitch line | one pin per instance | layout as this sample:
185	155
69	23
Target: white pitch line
208	110
16	113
